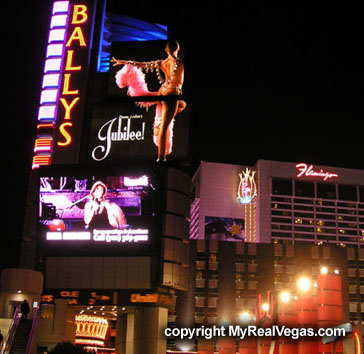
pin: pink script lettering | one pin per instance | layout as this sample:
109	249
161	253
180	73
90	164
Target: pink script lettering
307	170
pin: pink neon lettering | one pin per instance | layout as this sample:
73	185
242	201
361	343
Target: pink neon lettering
307	170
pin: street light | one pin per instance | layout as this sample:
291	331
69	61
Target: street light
284	296
245	317
324	270
304	284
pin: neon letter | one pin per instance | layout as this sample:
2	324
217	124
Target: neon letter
79	14
302	167
65	133
68	107
77	34
66	86
69	62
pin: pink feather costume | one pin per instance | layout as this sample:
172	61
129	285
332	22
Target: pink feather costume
134	79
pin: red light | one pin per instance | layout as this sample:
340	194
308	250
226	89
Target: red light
41	160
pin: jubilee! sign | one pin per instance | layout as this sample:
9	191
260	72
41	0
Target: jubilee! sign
63	85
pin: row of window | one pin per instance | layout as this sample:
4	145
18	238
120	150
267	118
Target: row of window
319	202
317	190
239	266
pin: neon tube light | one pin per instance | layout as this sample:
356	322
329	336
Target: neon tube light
47	112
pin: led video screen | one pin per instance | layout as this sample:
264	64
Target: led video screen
152	121
147	69
224	229
97	210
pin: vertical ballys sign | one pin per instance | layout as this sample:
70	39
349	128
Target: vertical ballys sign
63	85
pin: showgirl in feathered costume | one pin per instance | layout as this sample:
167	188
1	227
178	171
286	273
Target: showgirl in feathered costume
132	76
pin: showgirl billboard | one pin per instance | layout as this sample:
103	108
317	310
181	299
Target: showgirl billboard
97	211
148	118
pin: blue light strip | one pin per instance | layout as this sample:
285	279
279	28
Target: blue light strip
120	28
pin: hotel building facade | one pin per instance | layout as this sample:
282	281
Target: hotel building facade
293	219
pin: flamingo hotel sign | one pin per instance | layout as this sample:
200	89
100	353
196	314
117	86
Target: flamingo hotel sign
305	170
247	189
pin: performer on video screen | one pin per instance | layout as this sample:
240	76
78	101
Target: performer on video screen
171	85
101	214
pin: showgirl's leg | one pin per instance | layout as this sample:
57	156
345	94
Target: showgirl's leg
169	111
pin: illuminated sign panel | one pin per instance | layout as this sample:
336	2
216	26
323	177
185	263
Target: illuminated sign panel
91	330
147	79
224	229
63	85
247	189
97	210
91	326
305	170
126	130
106	297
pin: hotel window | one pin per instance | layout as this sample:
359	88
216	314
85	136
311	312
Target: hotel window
278	250
252	249
240	247
239	267
252	285
361	193
200	301
200	283
239	284
315	252
304	189
212	283
212	302
200	265
326	191
252	268
350	253
240	303
201	246
213	265
361	254
326	252
347	192
281	186
289	251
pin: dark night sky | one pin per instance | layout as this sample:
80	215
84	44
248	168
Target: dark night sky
262	82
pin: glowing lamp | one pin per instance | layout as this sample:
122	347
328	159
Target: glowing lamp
304	284
265	307
245	317
284	296
324	270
